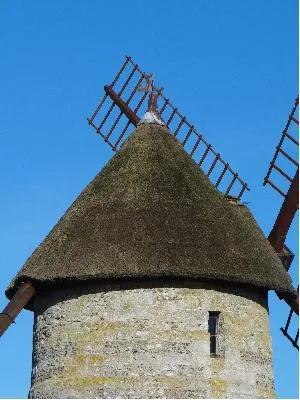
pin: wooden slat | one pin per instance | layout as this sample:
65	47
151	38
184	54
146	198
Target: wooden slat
231	184
213	165
113	126
242	191
120	71
292	138
222	175
127	81
164	106
204	155
195	146
282	173
187	136
275	187
171	117
289	157
294	119
97	109
178	127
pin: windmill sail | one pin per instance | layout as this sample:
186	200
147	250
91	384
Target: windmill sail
284	164
123	105
283	176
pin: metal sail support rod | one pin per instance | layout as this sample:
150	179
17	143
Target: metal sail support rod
25	292
285	216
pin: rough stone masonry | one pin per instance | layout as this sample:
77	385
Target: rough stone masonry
148	340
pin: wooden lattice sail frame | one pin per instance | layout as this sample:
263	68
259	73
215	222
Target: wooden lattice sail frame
289	175
124	94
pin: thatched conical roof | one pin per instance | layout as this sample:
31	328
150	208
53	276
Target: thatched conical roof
152	213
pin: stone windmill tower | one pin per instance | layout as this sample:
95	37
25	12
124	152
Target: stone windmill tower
153	284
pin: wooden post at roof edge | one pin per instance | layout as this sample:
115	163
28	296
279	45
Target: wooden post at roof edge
25	292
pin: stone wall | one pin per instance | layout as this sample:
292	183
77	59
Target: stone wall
147	341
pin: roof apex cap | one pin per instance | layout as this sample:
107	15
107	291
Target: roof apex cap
151	118
152	115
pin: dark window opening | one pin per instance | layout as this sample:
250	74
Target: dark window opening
213	329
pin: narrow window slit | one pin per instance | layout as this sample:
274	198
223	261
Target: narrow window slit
214	333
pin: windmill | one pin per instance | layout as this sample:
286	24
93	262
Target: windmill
133	100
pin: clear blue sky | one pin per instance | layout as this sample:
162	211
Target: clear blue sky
230	66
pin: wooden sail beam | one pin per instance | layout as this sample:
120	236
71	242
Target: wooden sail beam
122	105
285	216
281	227
25	292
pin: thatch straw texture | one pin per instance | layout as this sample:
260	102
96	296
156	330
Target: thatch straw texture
152	213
